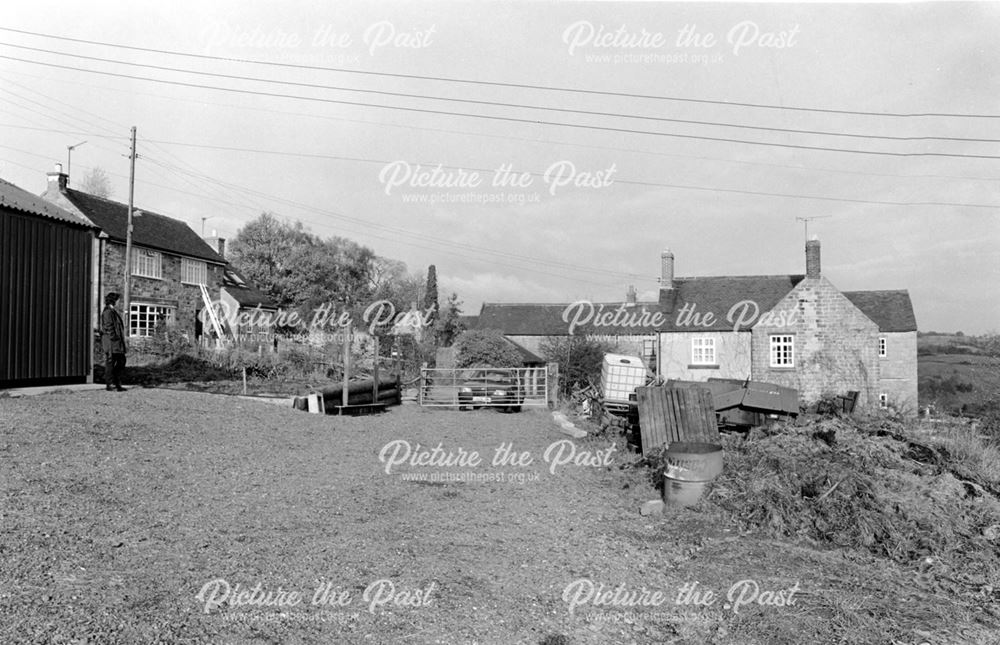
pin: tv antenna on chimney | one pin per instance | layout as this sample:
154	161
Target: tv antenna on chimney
805	222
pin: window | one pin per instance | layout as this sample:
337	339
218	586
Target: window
703	351
883	400
881	348
144	318
193	271
147	264
782	351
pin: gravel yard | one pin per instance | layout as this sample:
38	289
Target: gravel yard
178	517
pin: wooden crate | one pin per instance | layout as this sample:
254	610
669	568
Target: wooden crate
669	414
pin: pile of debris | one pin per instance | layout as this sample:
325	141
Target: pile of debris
881	485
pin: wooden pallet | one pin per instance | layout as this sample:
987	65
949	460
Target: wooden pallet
668	414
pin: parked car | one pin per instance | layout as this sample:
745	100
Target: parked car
493	387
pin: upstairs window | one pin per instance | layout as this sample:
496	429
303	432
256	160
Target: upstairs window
782	350
193	271
147	264
881	348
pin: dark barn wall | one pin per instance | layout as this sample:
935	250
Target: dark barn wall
45	303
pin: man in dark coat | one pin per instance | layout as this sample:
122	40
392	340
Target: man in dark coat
113	342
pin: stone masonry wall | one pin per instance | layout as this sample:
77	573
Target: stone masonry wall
899	371
167	291
835	347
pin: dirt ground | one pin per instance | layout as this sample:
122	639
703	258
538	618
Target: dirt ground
125	518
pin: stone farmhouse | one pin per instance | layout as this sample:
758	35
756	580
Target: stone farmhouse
794	330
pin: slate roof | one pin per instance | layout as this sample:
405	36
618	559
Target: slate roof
21	200
244	292
150	229
528	357
890	310
716	294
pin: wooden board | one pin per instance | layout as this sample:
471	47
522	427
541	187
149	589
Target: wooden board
668	414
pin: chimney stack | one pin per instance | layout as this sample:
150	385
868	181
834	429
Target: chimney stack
666	269
218	244
630	296
57	179
812	258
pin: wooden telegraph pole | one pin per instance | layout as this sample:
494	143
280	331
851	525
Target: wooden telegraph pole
126	305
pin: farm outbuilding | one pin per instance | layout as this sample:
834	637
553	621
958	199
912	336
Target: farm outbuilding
46	292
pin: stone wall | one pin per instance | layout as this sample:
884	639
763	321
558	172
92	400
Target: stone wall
169	291
835	346
898	370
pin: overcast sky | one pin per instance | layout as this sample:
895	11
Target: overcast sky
924	218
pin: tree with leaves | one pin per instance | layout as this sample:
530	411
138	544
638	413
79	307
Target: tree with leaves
300	270
449	323
96	183
431	294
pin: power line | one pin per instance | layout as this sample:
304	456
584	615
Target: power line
523	106
509	85
501	118
533	140
651	184
616	180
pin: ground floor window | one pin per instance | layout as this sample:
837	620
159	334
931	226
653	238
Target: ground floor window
703	351
143	318
883	400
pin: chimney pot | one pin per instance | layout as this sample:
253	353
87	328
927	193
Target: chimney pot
812	258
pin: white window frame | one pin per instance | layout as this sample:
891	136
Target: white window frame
703	351
883	400
144	316
191	267
782	350
147	264
883	347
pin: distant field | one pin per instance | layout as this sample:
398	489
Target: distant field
958	373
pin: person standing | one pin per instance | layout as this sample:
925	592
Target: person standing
113	342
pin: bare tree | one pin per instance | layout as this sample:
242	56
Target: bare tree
97	183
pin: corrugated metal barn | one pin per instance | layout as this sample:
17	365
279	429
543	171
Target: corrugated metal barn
46	302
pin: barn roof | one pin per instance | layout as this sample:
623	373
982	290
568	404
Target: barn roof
150	229
21	200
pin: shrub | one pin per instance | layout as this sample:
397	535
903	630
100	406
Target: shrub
580	360
485	347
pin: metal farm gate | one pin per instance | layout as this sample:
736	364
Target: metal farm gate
493	387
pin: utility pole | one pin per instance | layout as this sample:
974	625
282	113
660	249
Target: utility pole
805	221
127	306
69	158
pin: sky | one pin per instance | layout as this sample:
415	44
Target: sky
543	152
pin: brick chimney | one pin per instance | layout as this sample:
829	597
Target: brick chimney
630	296
667	269
812	258
57	180
217	243
667	291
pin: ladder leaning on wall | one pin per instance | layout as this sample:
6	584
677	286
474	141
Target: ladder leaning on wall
210	309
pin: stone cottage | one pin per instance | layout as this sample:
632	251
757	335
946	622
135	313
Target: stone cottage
794	330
